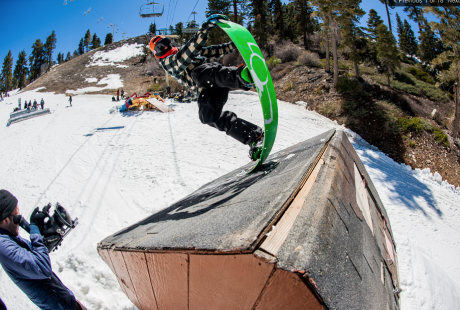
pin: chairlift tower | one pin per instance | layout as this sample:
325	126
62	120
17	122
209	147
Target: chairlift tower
191	29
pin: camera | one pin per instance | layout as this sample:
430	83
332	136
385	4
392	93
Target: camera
55	228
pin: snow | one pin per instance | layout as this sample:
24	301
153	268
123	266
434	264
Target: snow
112	81
111	170
120	54
91	80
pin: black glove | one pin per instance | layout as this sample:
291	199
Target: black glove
37	218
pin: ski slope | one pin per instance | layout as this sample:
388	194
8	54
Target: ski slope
111	170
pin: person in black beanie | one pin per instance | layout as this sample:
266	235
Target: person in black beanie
27	263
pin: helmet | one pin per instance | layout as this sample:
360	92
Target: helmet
160	45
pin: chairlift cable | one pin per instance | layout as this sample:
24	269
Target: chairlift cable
174	12
193	10
100	15
169	10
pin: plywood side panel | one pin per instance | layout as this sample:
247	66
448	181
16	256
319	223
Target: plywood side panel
104	254
169	277
123	277
226	281
279	234
361	199
285	290
137	267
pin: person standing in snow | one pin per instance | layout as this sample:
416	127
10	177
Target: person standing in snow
122	94
27	263
30	105
70	100
35	104
118	94
42	103
19	103
195	66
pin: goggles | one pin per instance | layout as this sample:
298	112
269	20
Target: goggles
160	46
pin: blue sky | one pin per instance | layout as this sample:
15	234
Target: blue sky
24	21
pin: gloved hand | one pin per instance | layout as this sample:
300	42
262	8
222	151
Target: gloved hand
211	21
37	218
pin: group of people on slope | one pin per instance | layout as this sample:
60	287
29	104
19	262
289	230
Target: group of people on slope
29	105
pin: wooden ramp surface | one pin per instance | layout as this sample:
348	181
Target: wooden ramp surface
160	105
305	231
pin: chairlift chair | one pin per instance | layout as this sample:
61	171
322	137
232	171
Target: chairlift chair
155	11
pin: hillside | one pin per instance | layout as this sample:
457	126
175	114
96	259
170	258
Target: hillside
367	106
122	62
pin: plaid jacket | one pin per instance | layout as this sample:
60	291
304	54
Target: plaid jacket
192	55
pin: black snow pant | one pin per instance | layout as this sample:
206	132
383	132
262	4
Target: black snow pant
216	81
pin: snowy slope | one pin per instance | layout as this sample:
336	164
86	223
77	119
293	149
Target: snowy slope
111	170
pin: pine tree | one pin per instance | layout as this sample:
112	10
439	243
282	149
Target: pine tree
278	18
416	14
238	10
373	22
108	38
290	22
75	54
430	45
217	36
68	57
81	47
387	52
178	29
87	39
7	72
449	30
387	3
21	70
335	13
412	44
37	59
152	29
259	18
60	58
351	33
402	35
303	20
95	42
50	45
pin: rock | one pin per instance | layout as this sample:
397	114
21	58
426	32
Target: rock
428	162
301	103
457	142
437	177
436	116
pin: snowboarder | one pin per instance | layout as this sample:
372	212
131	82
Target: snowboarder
70	100
27	263
42	103
194	66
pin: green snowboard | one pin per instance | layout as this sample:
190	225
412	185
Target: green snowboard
254	59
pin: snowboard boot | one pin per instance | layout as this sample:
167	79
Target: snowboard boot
244	77
255	149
